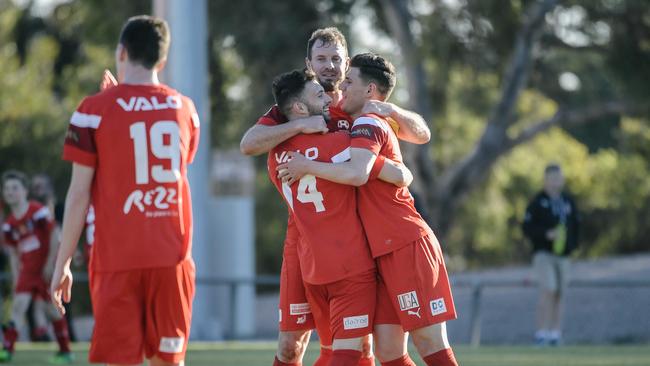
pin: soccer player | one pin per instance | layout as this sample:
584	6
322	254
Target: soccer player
337	268
31	243
413	293
327	57
130	146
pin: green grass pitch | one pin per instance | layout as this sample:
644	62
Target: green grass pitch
261	353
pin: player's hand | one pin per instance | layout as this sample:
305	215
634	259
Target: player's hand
61	287
313	124
379	108
294	169
108	80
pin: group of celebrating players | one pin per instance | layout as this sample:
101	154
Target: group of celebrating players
358	258
360	265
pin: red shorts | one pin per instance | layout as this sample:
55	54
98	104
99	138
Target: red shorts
33	284
142	312
294	310
413	288
344	309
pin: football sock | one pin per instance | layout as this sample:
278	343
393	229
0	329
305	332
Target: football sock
402	361
345	357
367	361
62	335
324	358
10	336
441	358
280	363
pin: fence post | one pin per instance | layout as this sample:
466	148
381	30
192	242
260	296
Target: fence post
475	317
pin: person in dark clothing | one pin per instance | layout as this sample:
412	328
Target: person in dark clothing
551	224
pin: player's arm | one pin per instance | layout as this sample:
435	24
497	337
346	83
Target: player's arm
260	139
395	173
353	172
76	206
412	127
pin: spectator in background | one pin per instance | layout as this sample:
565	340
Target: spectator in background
551	224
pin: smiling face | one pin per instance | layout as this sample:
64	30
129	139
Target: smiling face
315	99
328	60
355	92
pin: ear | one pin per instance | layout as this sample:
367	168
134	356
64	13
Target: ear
347	64
308	64
123	54
161	65
371	89
298	108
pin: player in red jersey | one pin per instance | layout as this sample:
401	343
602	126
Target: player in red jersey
414	292
130	146
327	56
337	267
31	242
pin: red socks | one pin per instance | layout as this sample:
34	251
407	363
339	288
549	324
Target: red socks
280	363
345	357
441	358
402	361
62	335
324	358
10	336
367	361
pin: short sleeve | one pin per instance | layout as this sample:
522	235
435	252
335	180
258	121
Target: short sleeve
272	117
368	133
79	146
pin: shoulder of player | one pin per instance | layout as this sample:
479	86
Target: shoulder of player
370	120
38	211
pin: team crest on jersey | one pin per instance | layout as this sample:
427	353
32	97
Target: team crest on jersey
343	124
408	301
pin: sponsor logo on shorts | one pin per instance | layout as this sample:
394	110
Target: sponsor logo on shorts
408	300
355	322
438	306
171	344
301	319
416	313
299	309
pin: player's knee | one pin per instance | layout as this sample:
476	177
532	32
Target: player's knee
430	340
366	347
291	346
388	350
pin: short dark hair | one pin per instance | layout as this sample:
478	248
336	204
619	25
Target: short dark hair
376	69
17	175
146	40
287	87
328	36
552	168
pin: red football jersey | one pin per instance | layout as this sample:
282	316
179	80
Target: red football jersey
140	139
333	245
338	120
30	235
388	212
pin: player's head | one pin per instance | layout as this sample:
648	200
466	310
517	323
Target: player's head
553	179
327	57
298	94
41	188
370	77
144	41
14	187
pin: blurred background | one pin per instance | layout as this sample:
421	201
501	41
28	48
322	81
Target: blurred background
506	86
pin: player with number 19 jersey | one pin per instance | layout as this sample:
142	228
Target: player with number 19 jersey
140	139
